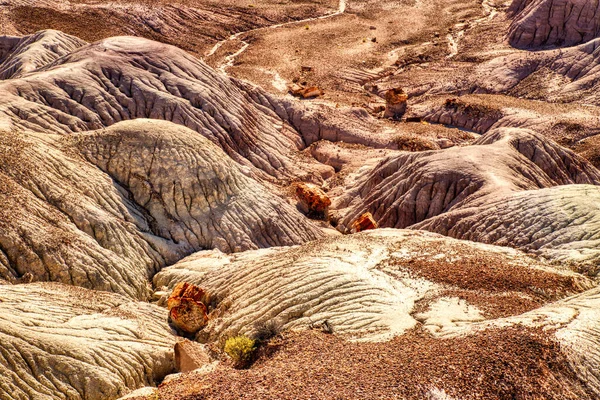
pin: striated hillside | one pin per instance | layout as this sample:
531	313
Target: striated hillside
299	199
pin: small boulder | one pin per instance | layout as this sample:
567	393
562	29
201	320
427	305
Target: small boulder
190	356
312	200
444	143
395	103
305	92
364	223
187	309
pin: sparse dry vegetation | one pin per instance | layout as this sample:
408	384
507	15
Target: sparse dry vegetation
240	349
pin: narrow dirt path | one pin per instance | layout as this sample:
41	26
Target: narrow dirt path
490	11
230	59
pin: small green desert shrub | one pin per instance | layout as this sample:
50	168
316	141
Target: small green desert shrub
240	349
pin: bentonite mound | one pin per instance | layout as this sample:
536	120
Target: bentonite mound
553	22
63	220
63	342
193	195
151	193
561	223
368	284
406	189
566	75
19	55
125	78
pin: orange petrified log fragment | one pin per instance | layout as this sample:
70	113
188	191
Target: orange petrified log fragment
305	92
364	222
395	100
187	308
313	198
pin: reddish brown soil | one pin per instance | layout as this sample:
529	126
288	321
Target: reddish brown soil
510	363
497	305
483	273
33	19
497	288
219	20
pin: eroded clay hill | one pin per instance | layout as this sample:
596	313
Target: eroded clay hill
147	147
369	284
125	78
102	209
558	75
559	223
511	187
59	341
550	22
19	55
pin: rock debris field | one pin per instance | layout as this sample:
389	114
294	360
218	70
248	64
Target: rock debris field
299	199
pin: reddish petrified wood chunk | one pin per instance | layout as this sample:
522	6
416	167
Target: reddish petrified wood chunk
364	222
187	308
312	198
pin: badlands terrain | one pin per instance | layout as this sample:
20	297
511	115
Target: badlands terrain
389	199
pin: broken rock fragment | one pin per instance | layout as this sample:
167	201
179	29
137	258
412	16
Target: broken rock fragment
312	200
364	223
190	356
395	103
304	91
187	309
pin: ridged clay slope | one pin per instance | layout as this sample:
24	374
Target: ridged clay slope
560	223
558	75
63	342
408	188
107	209
564	124
210	204
22	54
367	285
478	193
125	78
539	23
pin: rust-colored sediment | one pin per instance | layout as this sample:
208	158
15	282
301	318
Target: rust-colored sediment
509	363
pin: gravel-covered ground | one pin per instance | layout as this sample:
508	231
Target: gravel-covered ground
510	363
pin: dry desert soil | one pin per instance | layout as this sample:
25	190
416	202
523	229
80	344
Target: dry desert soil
371	199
